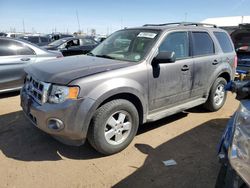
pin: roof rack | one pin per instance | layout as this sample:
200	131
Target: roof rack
182	24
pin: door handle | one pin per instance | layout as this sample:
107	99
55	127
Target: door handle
185	68
25	59
215	62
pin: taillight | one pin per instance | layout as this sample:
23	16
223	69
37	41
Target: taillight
235	61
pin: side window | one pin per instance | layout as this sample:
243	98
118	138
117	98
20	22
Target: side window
34	40
44	39
74	42
7	48
25	50
224	42
87	42
202	44
177	42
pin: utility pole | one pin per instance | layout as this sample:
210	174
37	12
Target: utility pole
23	27
186	16
79	28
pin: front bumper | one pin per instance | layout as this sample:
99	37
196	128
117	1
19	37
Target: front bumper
72	113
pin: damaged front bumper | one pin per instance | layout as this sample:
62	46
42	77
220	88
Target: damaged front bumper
235	143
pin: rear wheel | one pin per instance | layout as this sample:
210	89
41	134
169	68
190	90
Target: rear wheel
113	126
217	95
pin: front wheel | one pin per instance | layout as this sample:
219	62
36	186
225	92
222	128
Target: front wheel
217	95
113	126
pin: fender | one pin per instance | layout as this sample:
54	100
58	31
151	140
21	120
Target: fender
223	68
111	88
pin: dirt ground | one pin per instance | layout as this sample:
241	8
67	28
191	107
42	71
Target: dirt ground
29	158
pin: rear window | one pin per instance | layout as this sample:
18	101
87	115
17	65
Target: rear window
224	42
202	44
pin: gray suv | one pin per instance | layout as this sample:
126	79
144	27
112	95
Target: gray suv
135	76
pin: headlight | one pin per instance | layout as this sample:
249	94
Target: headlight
60	93
239	152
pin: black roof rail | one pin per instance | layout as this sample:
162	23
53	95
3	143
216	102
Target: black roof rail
182	24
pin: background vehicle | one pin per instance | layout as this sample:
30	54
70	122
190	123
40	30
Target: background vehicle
14	35
14	56
100	38
57	36
3	34
38	40
73	45
234	150
135	76
241	40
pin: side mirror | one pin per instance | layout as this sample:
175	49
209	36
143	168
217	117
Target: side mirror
164	57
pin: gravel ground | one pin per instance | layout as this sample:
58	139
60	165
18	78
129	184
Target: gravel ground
30	158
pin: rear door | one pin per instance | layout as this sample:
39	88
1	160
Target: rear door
14	56
206	60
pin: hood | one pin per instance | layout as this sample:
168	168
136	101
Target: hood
64	70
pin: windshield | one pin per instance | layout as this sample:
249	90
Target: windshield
127	45
57	42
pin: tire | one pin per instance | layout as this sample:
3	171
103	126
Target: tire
217	95
113	126
228	178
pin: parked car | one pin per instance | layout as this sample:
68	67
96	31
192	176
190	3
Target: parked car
3	34
234	148
241	40
14	56
135	76
38	40
73	45
14	35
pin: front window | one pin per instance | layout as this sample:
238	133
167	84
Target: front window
176	42
127	45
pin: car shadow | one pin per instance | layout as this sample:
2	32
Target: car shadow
195	154
20	140
10	94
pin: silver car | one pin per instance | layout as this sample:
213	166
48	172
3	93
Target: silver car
14	56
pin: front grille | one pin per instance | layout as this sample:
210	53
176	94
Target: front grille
38	90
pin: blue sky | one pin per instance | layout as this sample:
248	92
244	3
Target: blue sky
110	15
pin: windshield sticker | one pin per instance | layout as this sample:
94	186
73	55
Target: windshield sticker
147	35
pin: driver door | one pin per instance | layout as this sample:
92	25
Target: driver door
171	83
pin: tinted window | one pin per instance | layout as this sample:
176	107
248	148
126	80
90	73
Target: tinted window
177	42
224	42
34	39
7	48
202	44
44	39
25	50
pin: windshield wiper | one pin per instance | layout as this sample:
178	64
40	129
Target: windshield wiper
105	56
